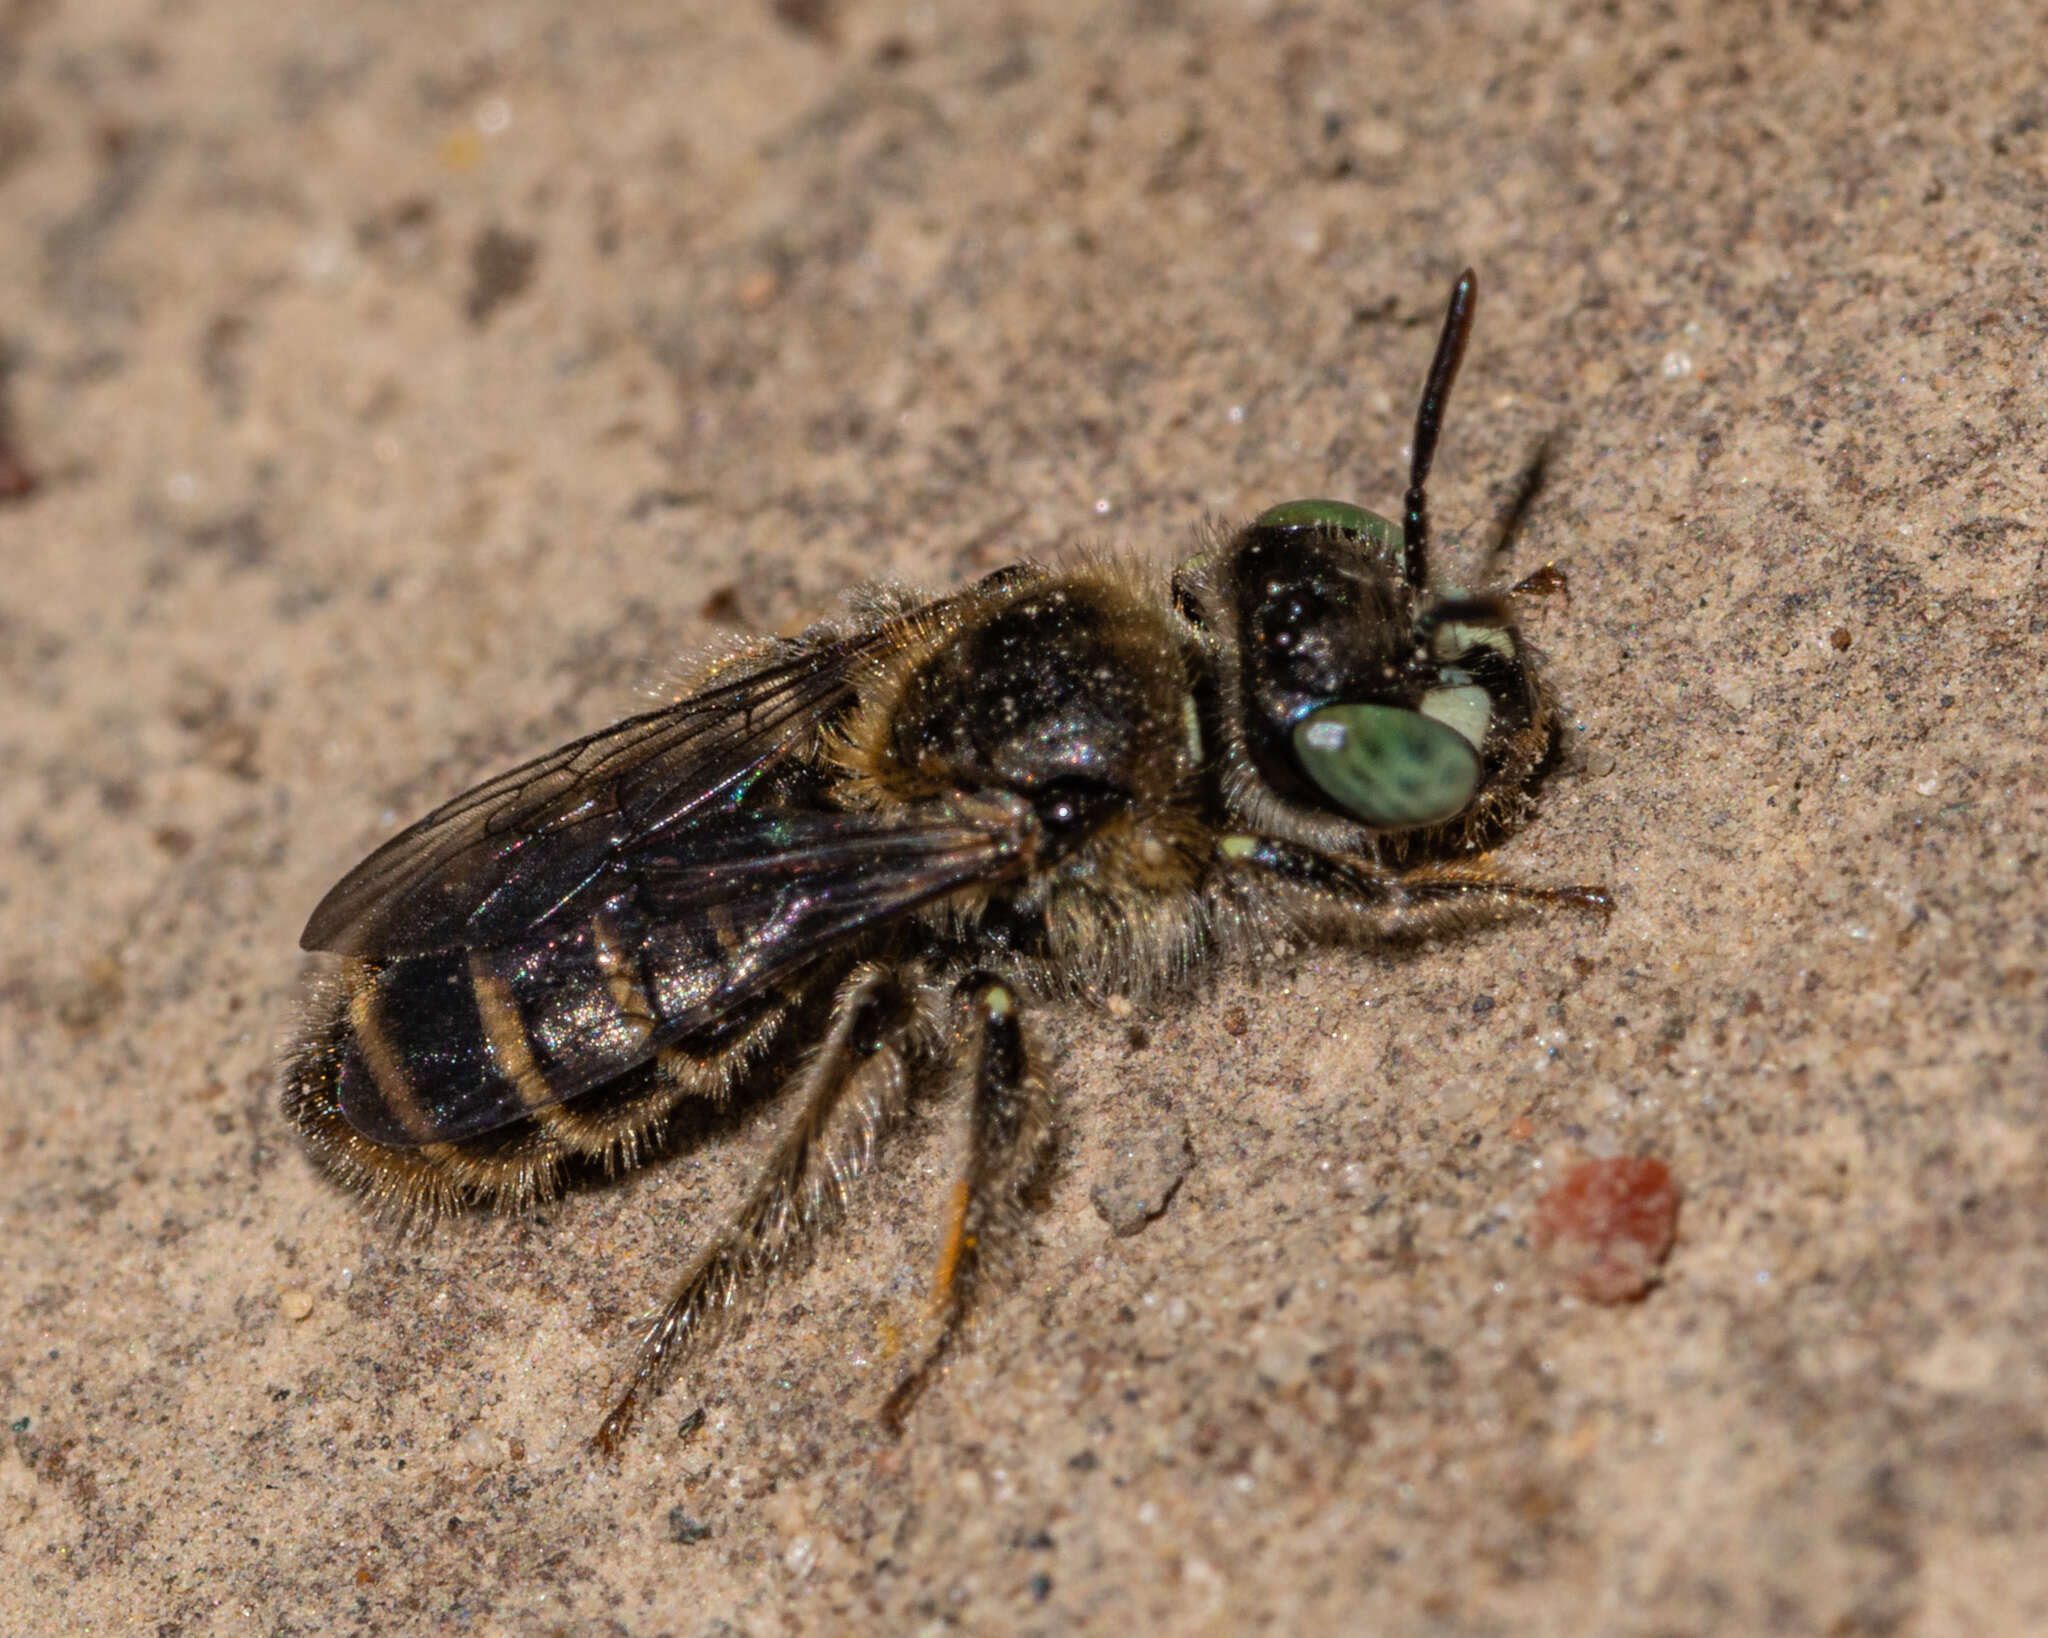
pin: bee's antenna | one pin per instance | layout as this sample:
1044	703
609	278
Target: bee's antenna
1443	370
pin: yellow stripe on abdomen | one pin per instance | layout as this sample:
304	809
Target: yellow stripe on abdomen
505	1032
393	1085
622	982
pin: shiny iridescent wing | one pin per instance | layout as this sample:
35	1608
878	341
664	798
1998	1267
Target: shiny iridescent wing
538	841
455	1044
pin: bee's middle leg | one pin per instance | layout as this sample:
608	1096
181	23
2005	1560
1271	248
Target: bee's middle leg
1009	1129
845	1095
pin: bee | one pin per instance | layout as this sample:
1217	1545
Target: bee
854	858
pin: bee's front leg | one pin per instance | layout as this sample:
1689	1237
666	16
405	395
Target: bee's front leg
1283	884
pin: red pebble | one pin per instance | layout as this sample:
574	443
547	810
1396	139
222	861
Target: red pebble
1608	1225
16	481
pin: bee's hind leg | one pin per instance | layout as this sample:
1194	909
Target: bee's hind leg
846	1094
1009	1129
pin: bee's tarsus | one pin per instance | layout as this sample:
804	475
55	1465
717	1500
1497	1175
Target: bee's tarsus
618	1422
1548	581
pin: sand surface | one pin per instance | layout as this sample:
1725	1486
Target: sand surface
400	390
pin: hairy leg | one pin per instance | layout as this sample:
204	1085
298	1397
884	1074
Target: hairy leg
848	1092
1009	1126
1331	897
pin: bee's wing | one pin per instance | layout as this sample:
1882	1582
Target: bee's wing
775	889
455	1044
479	871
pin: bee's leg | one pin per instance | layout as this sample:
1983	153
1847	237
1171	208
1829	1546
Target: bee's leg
1334	896
845	1095
1548	581
1009	1126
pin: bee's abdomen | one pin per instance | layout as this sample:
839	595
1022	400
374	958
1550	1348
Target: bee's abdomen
445	1047
413	1033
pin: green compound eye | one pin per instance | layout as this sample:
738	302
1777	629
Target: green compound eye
1341	517
1392	768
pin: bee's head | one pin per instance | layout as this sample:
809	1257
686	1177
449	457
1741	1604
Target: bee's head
1354	695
